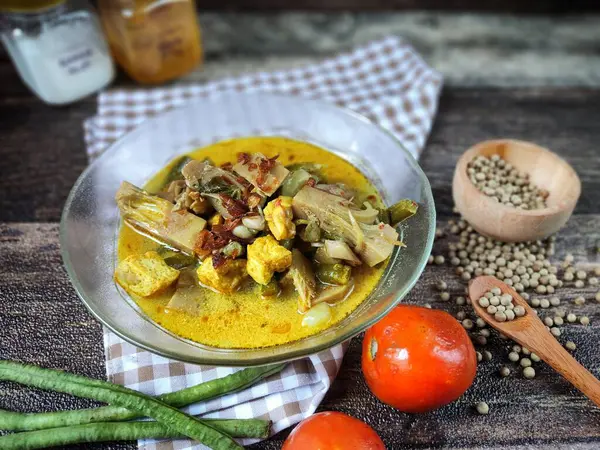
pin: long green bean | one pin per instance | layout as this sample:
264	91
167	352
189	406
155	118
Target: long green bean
237	428
237	381
113	431
110	393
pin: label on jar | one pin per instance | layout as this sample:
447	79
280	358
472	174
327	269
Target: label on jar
73	43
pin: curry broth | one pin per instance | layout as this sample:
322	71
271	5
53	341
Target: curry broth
243	319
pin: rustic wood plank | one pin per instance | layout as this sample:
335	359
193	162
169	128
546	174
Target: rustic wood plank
43	322
470	49
510	6
43	150
42	156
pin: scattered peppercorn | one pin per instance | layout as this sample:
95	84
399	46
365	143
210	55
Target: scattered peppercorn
441	285
570	345
482	408
513	356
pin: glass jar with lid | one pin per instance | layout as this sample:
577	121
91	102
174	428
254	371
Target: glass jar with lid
57	47
153	40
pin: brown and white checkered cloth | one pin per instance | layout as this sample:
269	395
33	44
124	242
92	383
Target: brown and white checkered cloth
385	80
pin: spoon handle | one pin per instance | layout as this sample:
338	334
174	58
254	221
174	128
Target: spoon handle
541	342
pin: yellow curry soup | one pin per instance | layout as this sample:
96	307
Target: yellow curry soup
240	316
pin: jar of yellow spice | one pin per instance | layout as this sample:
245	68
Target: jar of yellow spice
153	40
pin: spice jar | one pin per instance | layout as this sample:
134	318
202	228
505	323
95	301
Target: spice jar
153	40
57	47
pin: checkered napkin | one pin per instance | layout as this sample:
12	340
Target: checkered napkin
385	80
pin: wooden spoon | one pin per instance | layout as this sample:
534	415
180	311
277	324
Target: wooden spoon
507	223
530	332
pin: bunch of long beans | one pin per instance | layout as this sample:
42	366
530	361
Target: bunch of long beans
104	423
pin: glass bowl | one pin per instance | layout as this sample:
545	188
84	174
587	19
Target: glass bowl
90	220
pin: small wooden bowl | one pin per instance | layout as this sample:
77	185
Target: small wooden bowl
506	223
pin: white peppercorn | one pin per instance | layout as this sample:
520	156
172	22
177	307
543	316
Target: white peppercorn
529	372
500	316
568	276
580	300
570	345
534	357
555	331
441	285
444	296
482	408
439	259
571	317
584	320
558	321
525	362
481	340
483	302
467	324
513	356
519	311
579	284
504	371
540	289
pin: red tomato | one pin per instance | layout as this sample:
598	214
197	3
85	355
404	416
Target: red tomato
418	359
333	431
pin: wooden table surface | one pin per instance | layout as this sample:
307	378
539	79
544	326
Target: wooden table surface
43	322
